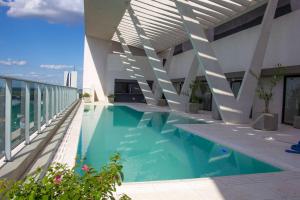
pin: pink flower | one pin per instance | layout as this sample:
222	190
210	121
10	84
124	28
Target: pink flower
57	179
85	168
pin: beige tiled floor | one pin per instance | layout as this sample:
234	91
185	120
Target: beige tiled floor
266	146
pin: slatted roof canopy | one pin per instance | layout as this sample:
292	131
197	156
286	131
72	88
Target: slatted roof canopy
162	22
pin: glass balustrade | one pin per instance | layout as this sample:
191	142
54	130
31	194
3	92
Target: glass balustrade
25	107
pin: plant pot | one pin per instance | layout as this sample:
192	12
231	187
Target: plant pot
162	102
87	99
193	107
111	99
265	121
296	122
201	106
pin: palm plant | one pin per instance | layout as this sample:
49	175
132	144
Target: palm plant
197	84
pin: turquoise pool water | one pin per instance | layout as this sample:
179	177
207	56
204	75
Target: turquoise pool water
152	148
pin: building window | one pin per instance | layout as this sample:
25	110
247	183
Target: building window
129	91
291	102
178	49
250	19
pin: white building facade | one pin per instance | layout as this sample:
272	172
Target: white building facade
233	42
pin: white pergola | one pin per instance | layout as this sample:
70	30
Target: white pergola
156	25
162	21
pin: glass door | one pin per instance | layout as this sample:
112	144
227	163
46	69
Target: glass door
291	106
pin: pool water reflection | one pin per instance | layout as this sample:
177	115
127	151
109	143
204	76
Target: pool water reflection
152	148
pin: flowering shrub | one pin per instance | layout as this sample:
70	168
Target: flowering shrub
63	183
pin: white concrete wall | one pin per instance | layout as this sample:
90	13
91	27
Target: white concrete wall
115	70
94	69
235	51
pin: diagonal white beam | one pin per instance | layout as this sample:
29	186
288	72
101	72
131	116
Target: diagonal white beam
136	72
231	110
250	81
214	75
158	90
174	100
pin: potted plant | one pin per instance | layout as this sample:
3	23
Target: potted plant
162	101
297	117
86	97
266	120
111	98
195	103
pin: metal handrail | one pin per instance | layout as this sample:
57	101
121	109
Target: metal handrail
31	81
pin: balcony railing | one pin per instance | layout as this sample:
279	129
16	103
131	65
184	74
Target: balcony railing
25	107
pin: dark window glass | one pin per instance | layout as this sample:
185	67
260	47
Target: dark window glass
291	99
250	19
178	49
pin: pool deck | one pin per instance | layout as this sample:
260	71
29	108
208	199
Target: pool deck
263	145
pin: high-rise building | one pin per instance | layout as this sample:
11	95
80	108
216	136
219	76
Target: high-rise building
70	79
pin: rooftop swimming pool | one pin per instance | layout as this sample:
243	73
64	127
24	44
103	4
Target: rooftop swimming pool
152	148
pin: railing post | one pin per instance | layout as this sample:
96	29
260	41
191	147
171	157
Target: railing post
47	105
64	96
57	103
27	113
8	92
52	102
69	97
60	100
38	101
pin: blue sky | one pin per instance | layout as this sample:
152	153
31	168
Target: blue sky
40	39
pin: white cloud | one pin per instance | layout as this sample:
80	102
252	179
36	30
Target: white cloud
10	62
54	11
57	67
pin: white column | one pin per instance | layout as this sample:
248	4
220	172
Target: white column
8	92
174	100
138	73
248	88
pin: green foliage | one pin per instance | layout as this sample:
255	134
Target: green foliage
86	95
62	183
265	91
194	87
111	96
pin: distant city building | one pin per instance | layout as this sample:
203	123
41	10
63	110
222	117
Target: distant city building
70	79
